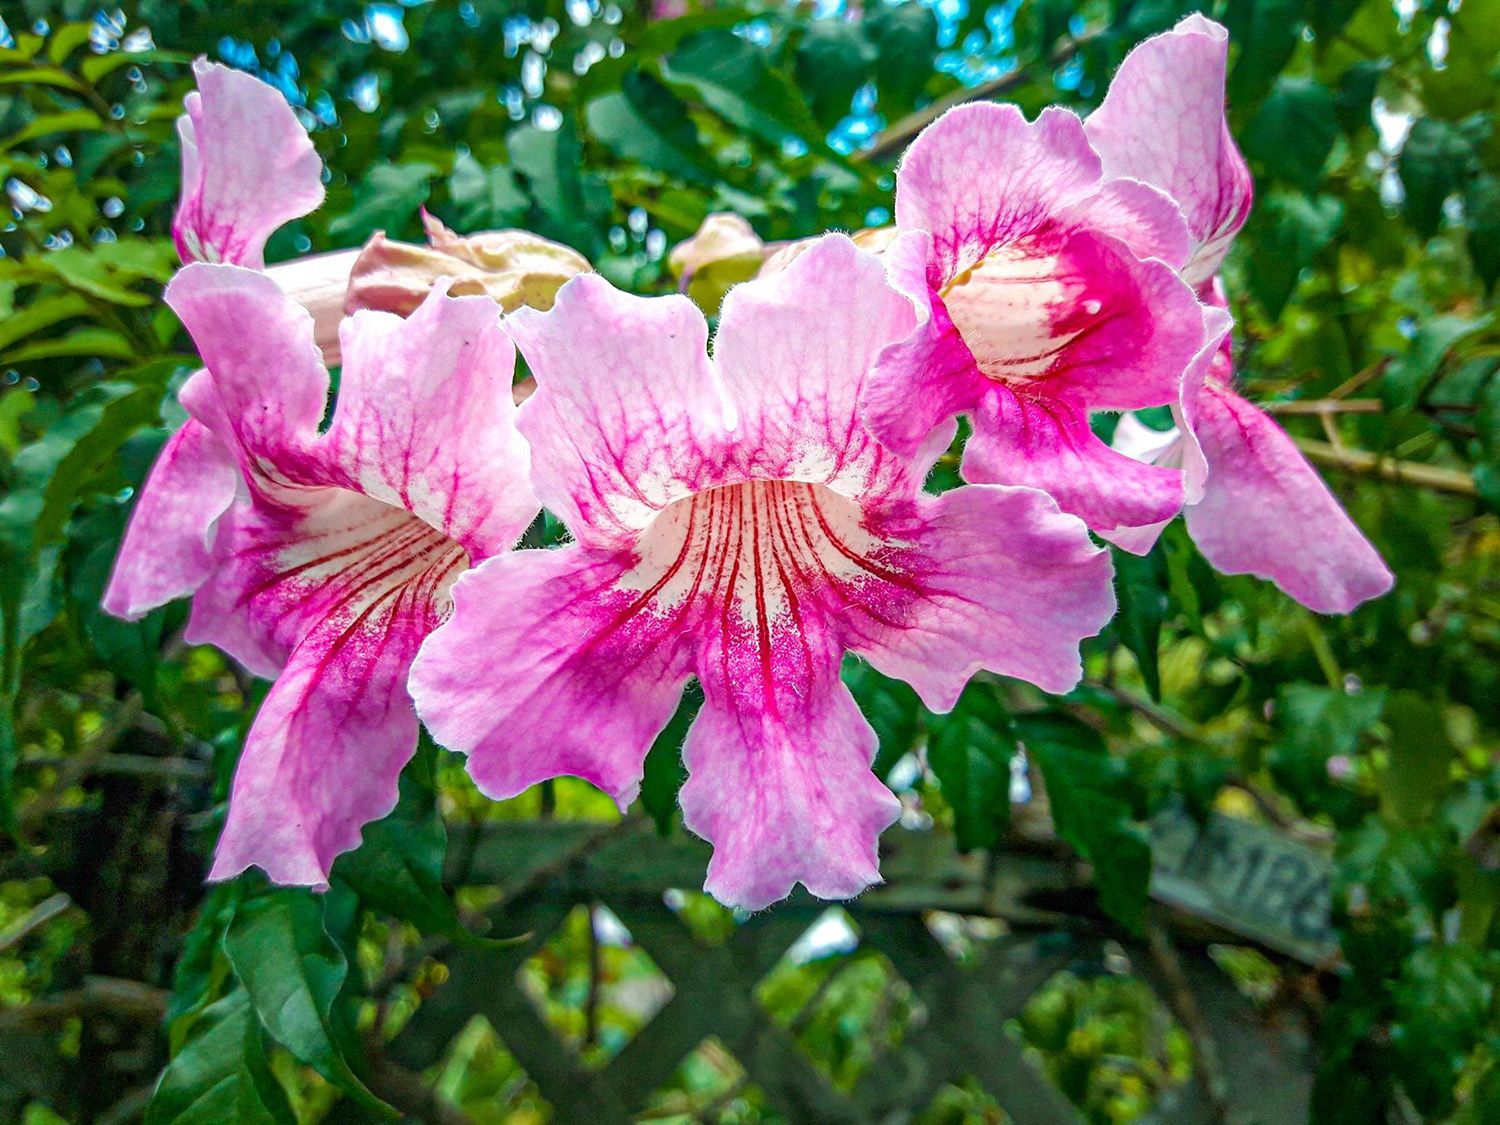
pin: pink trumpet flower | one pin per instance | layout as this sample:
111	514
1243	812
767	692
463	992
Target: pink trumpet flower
1043	290
324	558
734	521
1254	504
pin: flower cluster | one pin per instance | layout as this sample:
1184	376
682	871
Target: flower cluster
744	514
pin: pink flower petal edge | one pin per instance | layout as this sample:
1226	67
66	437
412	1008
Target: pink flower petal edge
248	167
1162	122
1265	511
750	549
337	558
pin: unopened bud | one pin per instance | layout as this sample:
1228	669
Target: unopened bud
724	252
511	267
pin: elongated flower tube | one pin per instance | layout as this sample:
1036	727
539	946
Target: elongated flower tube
323	559
1256	505
1043	290
734	521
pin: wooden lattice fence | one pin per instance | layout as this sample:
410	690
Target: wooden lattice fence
1246	1069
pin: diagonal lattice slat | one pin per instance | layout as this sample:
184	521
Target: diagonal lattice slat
546	870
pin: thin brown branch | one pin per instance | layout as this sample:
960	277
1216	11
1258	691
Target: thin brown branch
128	999
894	138
1157	715
1364	463
1360	378
33	920
1208	1070
1325	406
81	764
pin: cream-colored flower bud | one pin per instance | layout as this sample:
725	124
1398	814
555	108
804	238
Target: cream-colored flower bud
511	267
724	252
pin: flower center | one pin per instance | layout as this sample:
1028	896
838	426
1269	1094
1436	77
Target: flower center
1017	310
766	551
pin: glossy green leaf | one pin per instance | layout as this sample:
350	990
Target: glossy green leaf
1085	786
292	970
664	771
969	750
1141	590
221	1074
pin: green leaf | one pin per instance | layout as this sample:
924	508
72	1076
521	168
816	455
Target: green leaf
645	121
485	198
665	772
1314	724
202	968
735	79
1437	159
386	198
67	39
92	340
570	202
969	750
49	124
221	1073
1482	209
1444	1004
1265	31
398	867
905	39
48	477
1085	786
293	970
1404	380
1419	756
38	314
130	649
892	707
833	61
1141	589
1289	230
1293	133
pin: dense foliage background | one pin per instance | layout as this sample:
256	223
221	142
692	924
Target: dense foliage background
1363	292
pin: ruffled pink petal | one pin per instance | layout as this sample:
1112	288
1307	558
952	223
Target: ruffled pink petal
323	756
1162	122
425	420
982	176
928	377
1045	442
167	550
1009	584
1265	511
1046	276
268	387
797	406
766	578
787	798
1177	448
248	166
550	667
628	415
